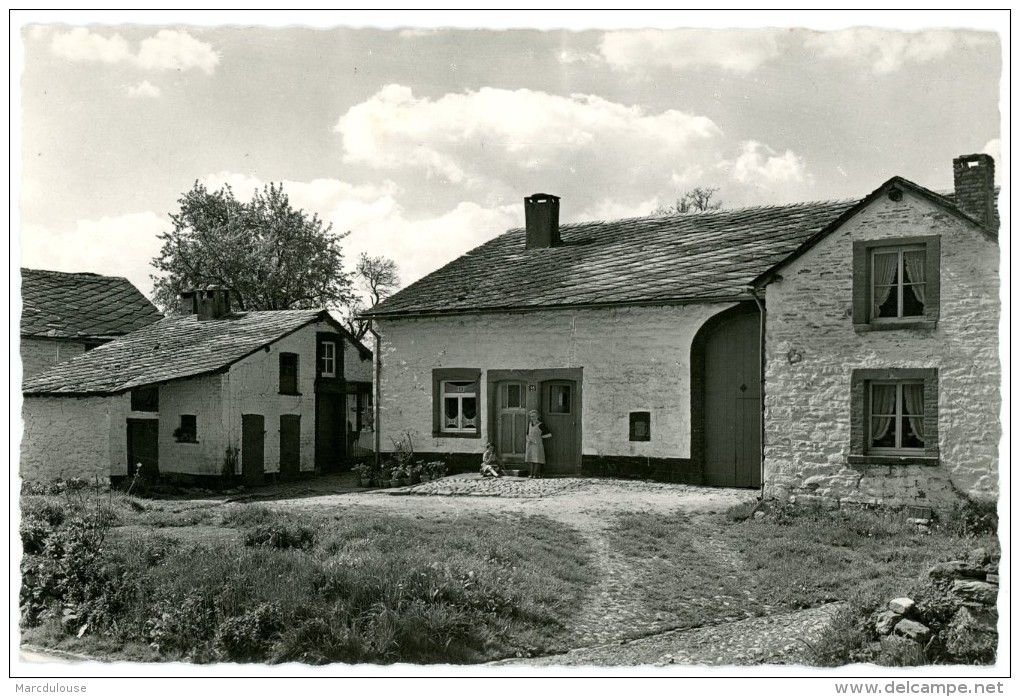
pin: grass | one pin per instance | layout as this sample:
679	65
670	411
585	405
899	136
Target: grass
315	588
723	567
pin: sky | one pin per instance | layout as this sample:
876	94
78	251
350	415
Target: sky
422	140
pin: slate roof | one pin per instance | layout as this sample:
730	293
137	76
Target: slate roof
171	349
81	305
686	258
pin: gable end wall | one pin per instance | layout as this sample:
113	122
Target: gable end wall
811	349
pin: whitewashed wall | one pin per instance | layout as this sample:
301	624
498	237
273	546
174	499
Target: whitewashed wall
633	359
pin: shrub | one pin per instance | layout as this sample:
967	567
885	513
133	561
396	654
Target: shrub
970	518
281	536
249	637
182	625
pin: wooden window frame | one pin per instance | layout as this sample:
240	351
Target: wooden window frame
637	417
323	358
861	453
863	285
443	375
297	374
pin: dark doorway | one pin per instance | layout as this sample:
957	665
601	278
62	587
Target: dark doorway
559	411
330	431
730	399
253	434
290	446
143	447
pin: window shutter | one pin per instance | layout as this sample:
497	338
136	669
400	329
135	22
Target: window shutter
932	257
861	282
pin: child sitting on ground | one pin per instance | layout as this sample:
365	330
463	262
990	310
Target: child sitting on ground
490	462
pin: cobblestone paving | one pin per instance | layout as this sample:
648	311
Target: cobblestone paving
506	487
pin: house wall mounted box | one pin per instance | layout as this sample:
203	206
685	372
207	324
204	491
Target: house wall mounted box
660	322
280	393
66	314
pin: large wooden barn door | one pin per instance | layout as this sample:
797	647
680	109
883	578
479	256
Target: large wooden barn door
733	403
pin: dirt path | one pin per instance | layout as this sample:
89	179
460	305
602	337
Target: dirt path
615	627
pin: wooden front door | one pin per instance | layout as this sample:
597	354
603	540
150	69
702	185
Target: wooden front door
560	411
330	431
511	421
290	446
733	403
143	447
253	435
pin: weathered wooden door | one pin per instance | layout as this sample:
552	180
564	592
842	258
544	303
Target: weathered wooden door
253	435
733	404
560	413
330	431
143	447
290	446
511	421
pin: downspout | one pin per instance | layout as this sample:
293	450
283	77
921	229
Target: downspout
761	387
376	390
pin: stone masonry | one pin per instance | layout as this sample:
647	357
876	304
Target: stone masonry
811	348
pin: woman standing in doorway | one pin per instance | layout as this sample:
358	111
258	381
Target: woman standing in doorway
534	452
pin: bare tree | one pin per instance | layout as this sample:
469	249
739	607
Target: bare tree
696	200
377	278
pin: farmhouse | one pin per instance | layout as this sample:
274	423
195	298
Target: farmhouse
66	314
844	352
202	394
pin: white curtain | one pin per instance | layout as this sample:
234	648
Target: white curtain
913	395
914	261
883	401
884	273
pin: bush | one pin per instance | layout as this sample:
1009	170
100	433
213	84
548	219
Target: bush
970	518
281	536
250	636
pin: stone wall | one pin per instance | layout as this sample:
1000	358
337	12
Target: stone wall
632	359
811	348
66	437
38	355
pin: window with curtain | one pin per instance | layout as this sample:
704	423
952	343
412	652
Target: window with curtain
897	283
896	417
460	406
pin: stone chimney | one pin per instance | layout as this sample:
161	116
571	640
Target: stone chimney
541	221
208	303
974	184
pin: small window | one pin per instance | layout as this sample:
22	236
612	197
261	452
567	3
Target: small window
288	373
456	407
327	359
896	283
559	399
145	398
640	425
187	432
460	407
894	418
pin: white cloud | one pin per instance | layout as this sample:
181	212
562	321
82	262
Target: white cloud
884	51
82	45
493	136
169	49
113	246
143	90
734	50
759	165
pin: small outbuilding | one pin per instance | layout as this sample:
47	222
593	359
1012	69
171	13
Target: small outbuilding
208	393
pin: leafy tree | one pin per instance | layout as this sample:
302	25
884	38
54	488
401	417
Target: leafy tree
378	279
272	256
696	200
